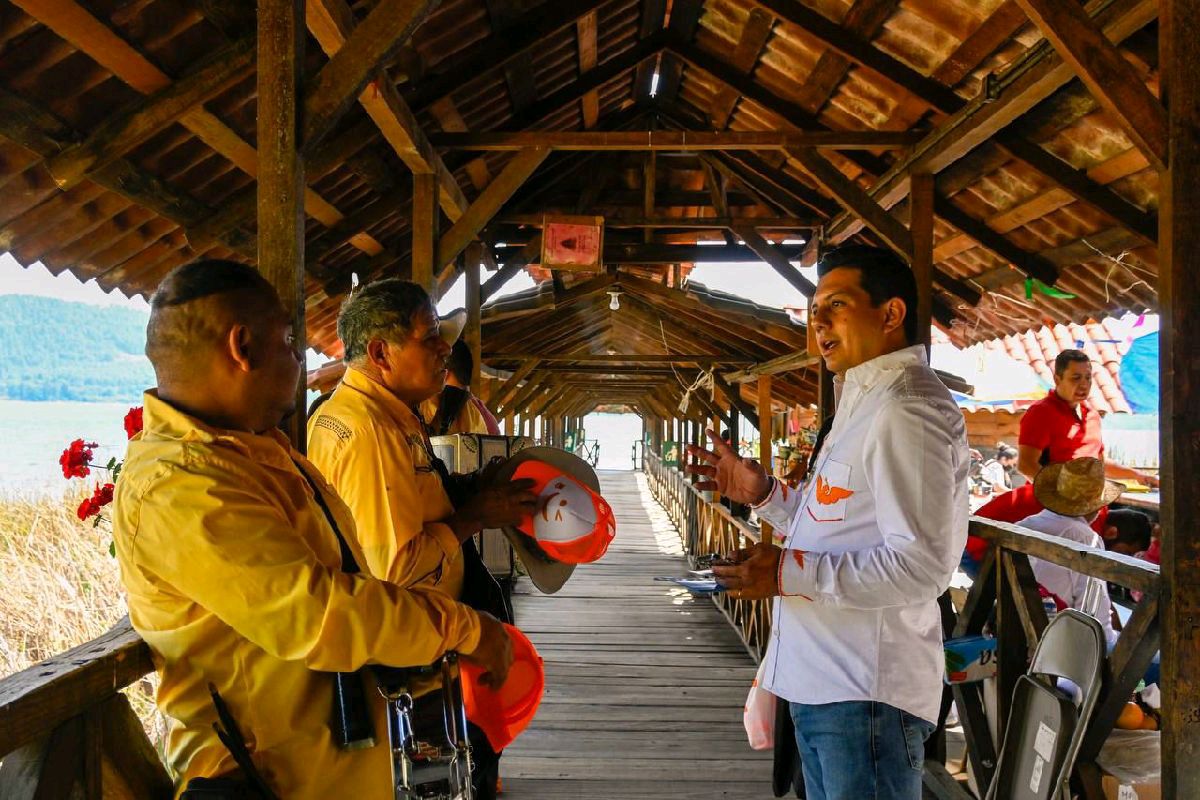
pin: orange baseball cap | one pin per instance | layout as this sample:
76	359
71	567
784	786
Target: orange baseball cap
573	524
504	713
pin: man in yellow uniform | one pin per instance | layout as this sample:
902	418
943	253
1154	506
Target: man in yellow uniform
370	440
457	409
232	563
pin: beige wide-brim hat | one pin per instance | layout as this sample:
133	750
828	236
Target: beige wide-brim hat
547	574
1076	488
450	327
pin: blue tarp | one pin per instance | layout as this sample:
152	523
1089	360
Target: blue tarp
1139	374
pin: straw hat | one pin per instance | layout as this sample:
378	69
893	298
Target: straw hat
1076	488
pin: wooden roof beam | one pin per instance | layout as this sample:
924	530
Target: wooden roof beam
585	35
332	24
1030	264
1106	73
71	21
750	44
734	395
674	140
788	363
1028	80
698	223
122	132
863	20
682	359
528	254
40	132
773	187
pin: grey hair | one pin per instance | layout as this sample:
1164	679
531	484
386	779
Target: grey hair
380	310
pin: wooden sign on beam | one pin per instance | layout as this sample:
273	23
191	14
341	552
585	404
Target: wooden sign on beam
573	243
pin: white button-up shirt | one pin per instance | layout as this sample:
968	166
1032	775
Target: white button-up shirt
1088	594
872	540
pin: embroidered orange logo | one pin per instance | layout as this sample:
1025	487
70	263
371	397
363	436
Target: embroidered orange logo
798	557
828	495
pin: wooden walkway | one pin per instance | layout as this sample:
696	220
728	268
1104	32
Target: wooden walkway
644	684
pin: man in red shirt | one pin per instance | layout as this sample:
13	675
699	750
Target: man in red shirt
1059	427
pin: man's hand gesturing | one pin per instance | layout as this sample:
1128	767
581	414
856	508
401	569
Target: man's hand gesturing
742	480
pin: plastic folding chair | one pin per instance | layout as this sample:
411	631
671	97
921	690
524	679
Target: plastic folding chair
1046	723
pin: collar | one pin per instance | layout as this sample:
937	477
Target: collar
362	383
868	372
1081	412
162	420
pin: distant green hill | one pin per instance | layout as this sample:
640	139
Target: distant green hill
55	350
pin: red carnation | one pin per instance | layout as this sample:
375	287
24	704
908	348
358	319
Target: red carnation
133	422
75	459
99	499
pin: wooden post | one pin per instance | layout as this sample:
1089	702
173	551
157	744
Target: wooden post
920	224
281	33
764	438
424	229
508	425
472	335
1179	304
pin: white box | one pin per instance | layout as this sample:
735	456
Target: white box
467	452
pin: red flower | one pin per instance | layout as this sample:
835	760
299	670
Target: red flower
99	499
75	459
133	422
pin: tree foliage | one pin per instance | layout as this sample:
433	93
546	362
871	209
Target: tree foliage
58	350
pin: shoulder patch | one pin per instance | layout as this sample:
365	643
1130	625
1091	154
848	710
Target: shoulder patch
334	426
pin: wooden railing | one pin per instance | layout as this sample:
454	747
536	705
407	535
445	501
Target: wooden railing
1004	600
65	727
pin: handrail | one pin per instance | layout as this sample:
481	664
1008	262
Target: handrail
1003	599
35	701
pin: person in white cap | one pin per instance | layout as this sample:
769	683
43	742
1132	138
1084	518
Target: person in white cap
870	541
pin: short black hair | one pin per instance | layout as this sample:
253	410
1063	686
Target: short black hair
1133	527
1068	357
204	278
460	362
884	276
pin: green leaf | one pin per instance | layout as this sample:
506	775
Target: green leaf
112	548
1049	291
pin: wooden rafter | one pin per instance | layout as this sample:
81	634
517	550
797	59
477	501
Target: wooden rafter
775	259
1106	73
675	141
864	20
332	24
120	133
86	33
750	44
585	32
1028	80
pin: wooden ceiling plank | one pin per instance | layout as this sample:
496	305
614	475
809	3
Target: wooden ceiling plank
122	132
585	34
332	24
1030	264
1106	73
864	19
40	132
751	42
1029	79
996	30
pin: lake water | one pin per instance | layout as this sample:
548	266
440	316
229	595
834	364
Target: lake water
33	435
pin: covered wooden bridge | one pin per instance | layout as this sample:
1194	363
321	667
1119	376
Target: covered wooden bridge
1033	160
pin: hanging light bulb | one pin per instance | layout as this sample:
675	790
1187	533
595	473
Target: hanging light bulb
615	302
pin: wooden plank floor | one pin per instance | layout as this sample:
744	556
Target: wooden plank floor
644	684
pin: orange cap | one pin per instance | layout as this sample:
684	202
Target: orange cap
573	524
504	713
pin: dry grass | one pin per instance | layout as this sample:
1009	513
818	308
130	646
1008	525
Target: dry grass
61	588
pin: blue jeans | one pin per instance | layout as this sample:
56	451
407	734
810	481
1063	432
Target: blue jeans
860	750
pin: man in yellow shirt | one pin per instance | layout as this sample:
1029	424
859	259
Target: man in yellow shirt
371	442
456	409
231	565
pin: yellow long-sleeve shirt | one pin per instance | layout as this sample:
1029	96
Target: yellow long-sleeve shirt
371	447
234	577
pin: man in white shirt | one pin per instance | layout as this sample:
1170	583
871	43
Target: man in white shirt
872	540
1073	493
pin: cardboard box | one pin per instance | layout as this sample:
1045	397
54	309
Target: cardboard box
1117	789
467	452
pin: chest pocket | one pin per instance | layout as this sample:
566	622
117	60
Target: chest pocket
830	492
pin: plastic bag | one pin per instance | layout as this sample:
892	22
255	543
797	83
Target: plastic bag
758	715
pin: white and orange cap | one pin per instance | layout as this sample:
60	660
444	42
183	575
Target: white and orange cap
572	524
575	535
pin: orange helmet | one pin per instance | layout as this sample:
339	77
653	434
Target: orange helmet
504	713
